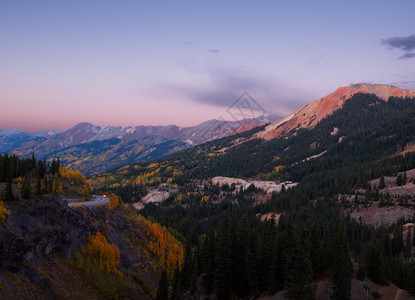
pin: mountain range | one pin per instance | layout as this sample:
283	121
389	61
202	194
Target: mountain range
95	149
14	138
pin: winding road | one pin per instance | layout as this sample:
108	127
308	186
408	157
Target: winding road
96	200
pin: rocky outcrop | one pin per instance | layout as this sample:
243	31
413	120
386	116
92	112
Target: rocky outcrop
38	229
267	186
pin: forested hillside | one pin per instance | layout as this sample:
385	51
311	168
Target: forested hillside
230	249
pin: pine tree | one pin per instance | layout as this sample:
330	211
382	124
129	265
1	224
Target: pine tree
251	272
408	244
341	264
208	264
163	288
38	187
240	246
40	169
300	272
52	169
289	243
11	169
8	194
411	278
46	184
26	189
187	265
382	182
33	160
399	180
176	288
374	262
223	274
193	277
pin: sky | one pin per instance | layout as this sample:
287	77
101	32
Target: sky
121	63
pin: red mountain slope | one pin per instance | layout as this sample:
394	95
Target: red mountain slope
311	114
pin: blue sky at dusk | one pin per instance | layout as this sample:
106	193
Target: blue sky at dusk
183	62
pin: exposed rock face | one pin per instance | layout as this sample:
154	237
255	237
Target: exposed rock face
267	186
29	234
311	114
155	197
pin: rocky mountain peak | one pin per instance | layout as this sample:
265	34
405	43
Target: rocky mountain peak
312	113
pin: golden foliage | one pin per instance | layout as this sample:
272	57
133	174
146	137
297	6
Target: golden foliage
151	174
75	177
57	187
167	250
152	165
114	200
85	191
115	185
146	177
180	197
104	253
3	212
279	168
19	182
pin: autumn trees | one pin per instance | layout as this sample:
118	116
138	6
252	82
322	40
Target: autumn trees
98	261
99	252
103	253
167	250
115	200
